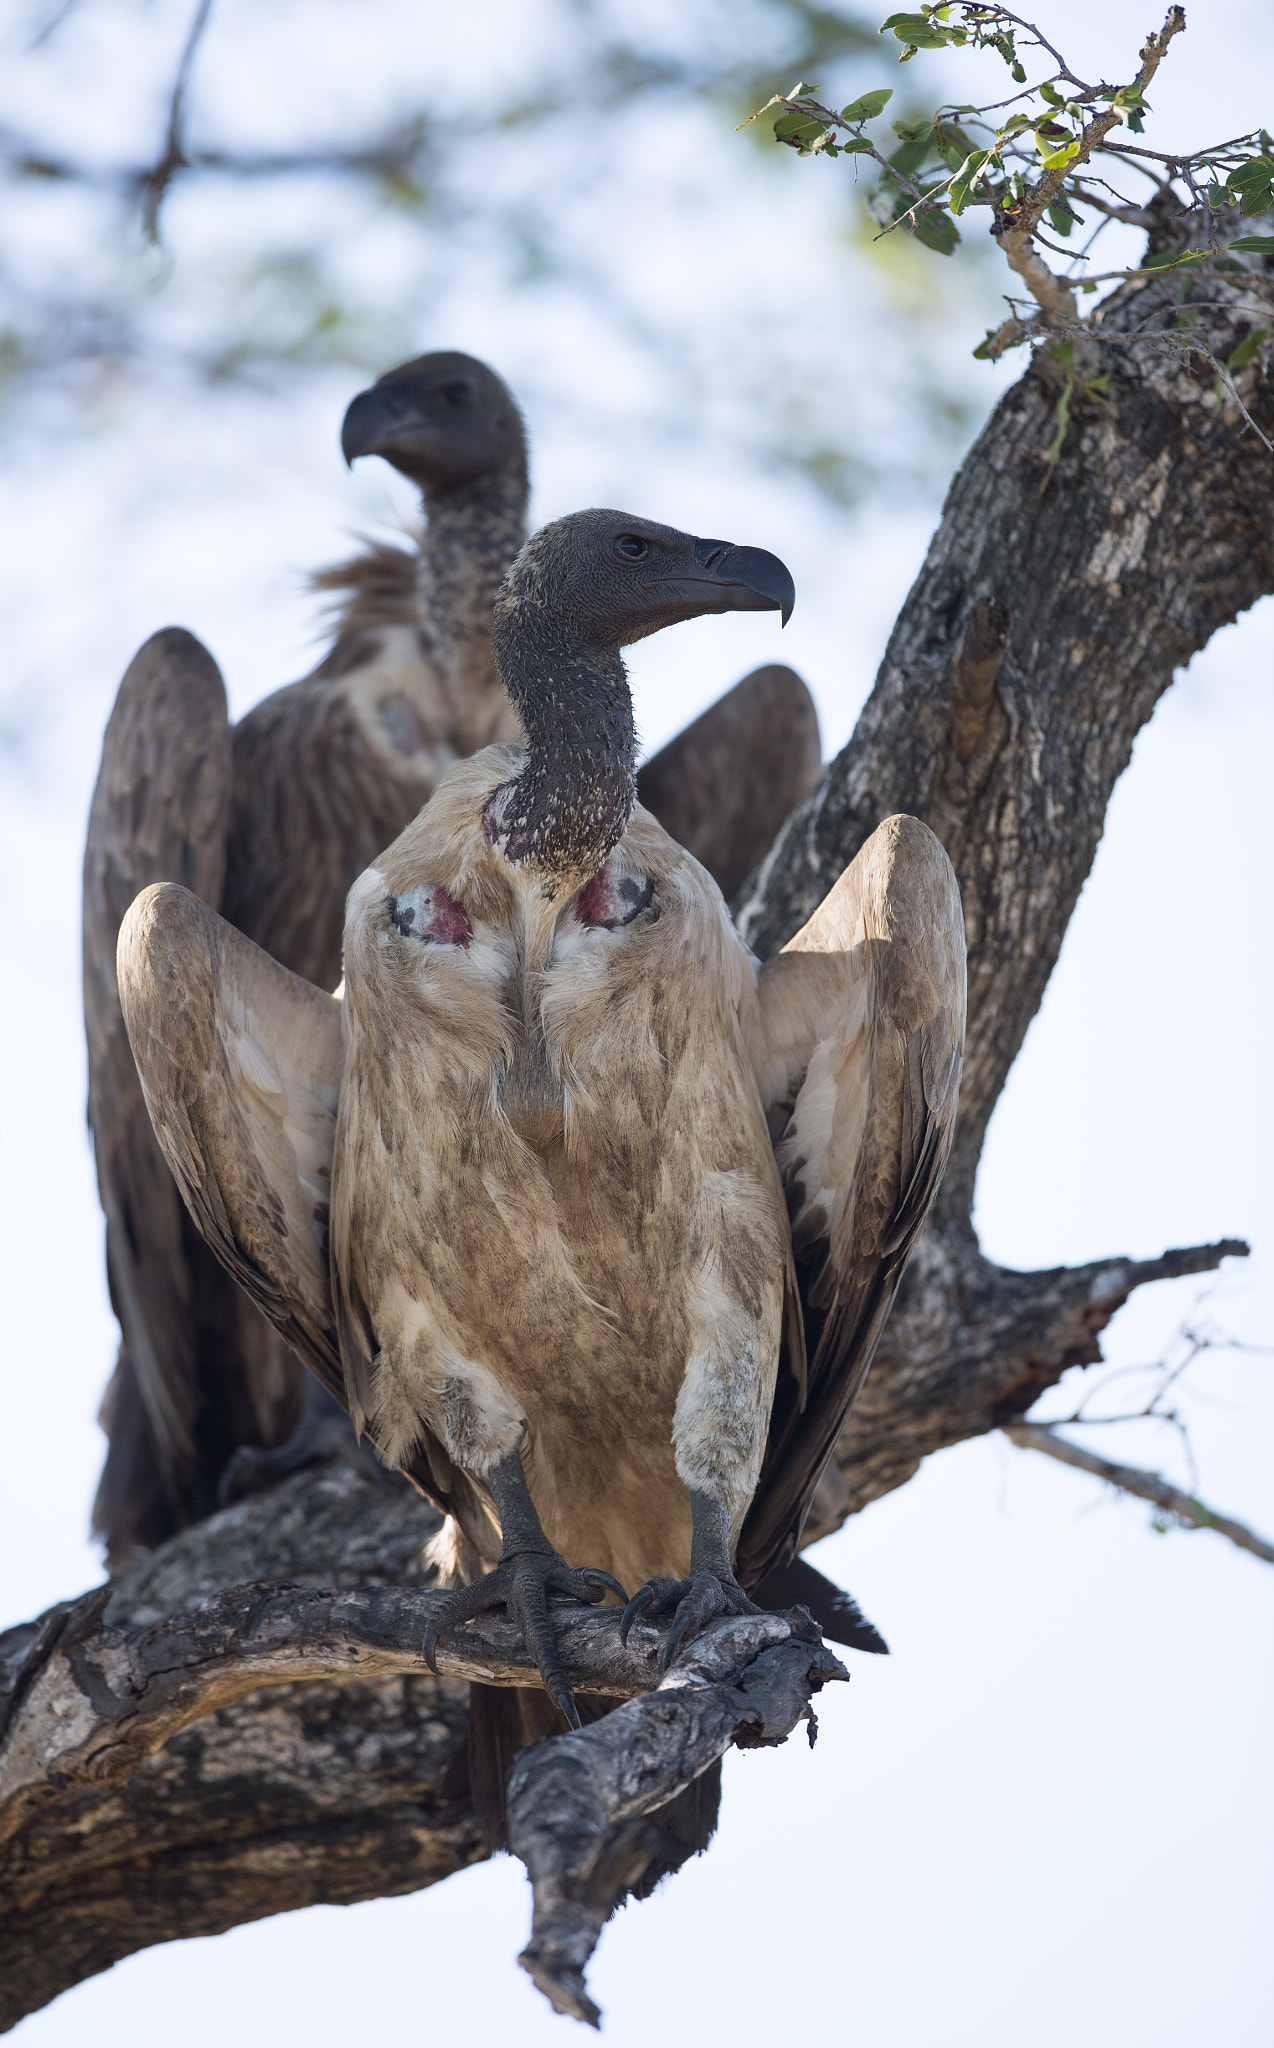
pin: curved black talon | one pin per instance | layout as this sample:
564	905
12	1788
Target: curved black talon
522	1583
650	1600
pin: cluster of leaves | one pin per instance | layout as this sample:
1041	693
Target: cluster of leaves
1034	163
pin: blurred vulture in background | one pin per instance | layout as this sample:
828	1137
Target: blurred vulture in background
269	822
576	1290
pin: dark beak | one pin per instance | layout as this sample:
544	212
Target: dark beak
375	418
748	579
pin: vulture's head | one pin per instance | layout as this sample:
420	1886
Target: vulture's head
443	420
608	579
582	589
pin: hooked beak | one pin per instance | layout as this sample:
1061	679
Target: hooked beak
745	579
377	417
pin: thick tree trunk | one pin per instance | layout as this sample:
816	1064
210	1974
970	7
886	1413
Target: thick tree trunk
1047	621
1049	618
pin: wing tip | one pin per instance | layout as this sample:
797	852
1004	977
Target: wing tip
799	1584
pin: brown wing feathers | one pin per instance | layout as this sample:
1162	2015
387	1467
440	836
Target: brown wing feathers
875	986
160	809
725	787
240	1062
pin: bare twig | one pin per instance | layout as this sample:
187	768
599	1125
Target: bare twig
1183	1507
174	158
52	25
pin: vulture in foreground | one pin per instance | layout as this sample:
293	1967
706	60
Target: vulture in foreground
270	821
574	1290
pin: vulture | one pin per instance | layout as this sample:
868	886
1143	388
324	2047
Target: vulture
270	821
591	1223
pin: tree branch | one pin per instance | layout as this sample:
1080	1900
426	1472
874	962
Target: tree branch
90	1702
579	1806
971	1346
1183	1507
114	1833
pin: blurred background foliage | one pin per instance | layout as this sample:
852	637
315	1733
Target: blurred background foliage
357	171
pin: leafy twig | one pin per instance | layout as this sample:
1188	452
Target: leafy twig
1036	164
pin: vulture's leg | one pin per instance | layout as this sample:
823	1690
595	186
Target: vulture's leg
323	1436
711	1589
529	1570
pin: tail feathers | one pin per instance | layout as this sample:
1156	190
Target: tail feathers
506	1719
135	1511
840	1618
676	1832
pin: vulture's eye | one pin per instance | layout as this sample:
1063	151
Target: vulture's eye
456	394
632	547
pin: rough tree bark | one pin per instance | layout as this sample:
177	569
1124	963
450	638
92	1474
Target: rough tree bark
1049	617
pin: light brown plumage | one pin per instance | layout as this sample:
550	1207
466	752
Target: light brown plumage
559	1223
554	1185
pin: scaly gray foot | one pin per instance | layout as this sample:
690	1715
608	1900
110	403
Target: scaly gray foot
692	1602
522	1583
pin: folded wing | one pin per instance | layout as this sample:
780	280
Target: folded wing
240	1064
857	1054
725	787
159	811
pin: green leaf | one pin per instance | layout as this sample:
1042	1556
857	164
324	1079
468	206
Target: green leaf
856	145
1057	157
1251	344
938	232
963	180
915	147
1049	92
1254	245
1251	183
1019	78
922	32
792	125
1061	216
867	108
1165	261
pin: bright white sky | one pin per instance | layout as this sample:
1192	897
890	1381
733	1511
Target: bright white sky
1047	1816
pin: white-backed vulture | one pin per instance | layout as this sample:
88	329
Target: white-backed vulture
566	1296
270	821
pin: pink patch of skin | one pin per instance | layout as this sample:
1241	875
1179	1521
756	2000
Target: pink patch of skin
607	904
448	921
438	921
